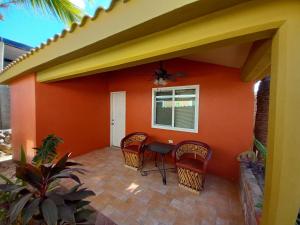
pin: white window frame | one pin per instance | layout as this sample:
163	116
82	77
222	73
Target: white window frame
166	127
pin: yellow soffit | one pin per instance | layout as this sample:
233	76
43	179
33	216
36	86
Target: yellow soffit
246	22
110	27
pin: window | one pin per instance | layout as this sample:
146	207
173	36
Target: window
175	108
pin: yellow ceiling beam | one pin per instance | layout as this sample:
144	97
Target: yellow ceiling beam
256	19
120	23
258	63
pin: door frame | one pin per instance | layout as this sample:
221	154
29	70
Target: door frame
110	114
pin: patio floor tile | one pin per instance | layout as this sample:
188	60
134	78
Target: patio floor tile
128	198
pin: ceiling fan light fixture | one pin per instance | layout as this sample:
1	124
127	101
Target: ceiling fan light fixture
160	81
163	82
161	76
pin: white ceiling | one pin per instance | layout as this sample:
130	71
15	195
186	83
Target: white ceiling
231	56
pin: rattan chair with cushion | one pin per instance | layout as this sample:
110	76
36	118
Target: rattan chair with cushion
191	159
132	147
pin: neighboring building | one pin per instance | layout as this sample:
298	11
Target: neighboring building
9	51
95	82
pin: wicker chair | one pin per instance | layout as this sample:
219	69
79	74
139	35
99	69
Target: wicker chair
132	147
191	158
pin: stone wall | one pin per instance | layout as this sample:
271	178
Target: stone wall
251	195
262	111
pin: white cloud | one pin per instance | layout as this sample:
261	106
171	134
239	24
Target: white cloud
79	3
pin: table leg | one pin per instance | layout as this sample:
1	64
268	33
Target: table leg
155	159
143	157
164	175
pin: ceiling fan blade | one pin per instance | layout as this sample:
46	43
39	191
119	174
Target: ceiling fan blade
171	77
180	74
157	71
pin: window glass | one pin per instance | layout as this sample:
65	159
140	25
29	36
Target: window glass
163	93
164	111
185	92
175	108
184	113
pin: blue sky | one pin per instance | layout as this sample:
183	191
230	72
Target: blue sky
31	27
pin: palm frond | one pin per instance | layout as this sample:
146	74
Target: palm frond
63	9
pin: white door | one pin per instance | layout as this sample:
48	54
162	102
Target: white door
117	117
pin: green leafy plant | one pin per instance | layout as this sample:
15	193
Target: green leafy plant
65	10
42	199
261	148
47	152
8	196
5	199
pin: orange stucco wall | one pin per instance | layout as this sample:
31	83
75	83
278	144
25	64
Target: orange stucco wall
226	107
76	110
23	114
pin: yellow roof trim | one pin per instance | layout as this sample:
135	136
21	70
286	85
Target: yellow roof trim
104	30
63	33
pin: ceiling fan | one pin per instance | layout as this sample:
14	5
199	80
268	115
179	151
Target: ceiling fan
162	76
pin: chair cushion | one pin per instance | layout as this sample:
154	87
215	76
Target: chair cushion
132	149
191	164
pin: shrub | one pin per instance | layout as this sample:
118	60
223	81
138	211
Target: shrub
37	197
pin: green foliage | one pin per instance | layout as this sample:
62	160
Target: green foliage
47	152
23	155
261	148
6	198
259	205
42	199
65	10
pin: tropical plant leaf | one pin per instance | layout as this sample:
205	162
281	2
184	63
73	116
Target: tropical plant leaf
23	159
60	165
56	198
29	174
45	169
73	164
261	148
66	214
79	195
14	193
81	204
65	175
16	208
53	185
83	215
8	187
74	188
49	211
7	181
78	170
47	152
30	210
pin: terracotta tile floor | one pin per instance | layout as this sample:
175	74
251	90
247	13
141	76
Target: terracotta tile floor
128	198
